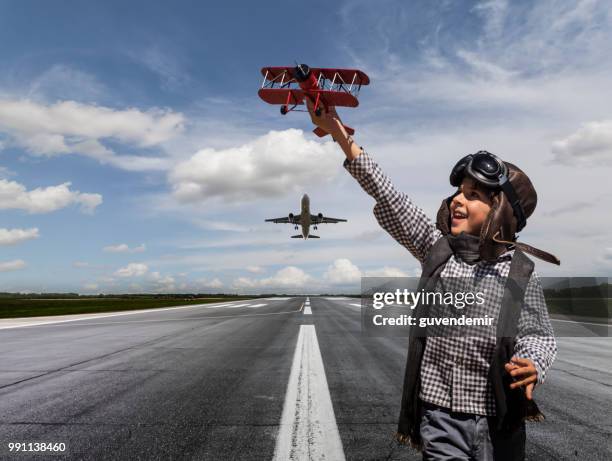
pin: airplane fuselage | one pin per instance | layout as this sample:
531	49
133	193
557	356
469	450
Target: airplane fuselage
305	216
305	220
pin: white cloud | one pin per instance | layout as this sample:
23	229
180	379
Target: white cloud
277	163
15	236
205	283
132	270
227	226
242	283
494	12
164	64
44	200
388	272
342	272
14	265
290	277
164	283
124	248
591	144
70	127
64	82
90	286
550	60
255	269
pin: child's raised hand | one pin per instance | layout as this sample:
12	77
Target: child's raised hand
524	372
328	120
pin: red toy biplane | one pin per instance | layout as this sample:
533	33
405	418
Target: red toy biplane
289	86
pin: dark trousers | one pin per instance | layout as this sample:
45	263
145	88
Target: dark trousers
463	436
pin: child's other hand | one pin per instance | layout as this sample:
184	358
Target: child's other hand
328	120
524	372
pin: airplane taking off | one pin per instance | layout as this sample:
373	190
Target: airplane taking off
305	219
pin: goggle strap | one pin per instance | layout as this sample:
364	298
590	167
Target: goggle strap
543	255
507	188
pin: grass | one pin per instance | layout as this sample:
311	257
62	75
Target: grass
33	307
581	307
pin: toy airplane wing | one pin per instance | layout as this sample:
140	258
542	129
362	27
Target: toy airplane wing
282	95
292	96
286	75
343	76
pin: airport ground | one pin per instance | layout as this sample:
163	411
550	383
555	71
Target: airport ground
289	378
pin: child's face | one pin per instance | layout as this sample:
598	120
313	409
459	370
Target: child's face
469	208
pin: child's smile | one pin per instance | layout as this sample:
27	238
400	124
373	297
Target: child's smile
469	208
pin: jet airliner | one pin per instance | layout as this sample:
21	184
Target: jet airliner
305	220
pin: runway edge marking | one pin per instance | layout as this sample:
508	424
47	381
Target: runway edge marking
308	428
101	315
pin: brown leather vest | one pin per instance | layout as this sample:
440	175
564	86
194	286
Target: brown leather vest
512	407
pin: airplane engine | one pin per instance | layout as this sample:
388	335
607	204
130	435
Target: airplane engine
306	80
290	216
320	215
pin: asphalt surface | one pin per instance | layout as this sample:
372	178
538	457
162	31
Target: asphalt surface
211	382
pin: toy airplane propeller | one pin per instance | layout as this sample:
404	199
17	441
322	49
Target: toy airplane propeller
326	88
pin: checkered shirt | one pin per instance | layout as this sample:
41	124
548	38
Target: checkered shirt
454	370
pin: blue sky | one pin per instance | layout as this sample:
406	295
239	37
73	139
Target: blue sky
135	154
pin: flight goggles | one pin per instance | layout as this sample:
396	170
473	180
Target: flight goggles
490	171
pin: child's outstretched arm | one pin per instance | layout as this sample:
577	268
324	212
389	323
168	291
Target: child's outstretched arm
395	212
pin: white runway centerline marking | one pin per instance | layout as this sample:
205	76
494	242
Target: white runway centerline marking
308	428
307	310
356	305
258	305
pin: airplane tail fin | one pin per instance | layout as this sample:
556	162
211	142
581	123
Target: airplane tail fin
311	236
298	236
320	132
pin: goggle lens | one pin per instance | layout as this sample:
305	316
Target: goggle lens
486	165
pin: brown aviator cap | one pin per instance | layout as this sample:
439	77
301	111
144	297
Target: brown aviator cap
498	233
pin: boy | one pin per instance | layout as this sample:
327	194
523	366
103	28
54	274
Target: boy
467	397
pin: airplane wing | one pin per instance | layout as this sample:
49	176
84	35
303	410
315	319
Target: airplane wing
281	95
295	96
346	76
316	219
294	219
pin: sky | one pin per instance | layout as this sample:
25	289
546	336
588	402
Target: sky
136	156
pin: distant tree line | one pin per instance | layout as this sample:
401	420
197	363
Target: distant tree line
595	291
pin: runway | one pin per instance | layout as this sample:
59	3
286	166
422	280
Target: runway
256	379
